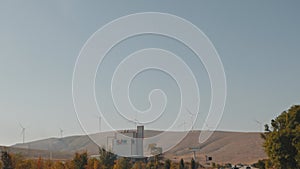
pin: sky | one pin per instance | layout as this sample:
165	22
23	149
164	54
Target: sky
257	41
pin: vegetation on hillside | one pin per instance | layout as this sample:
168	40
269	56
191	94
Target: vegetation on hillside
106	160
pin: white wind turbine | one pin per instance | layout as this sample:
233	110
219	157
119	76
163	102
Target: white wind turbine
182	124
99	123
133	121
99	119
61	132
22	132
136	121
259	123
192	116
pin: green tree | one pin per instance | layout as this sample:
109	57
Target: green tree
181	164
262	164
107	158
282	139
157	159
6	160
80	160
228	165
213	164
193	164
168	164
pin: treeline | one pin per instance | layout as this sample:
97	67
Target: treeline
105	160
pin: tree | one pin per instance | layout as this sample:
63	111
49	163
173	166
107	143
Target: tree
213	164
174	166
93	163
123	163
262	164
107	158
139	165
168	164
157	159
25	164
48	164
282	139
150	165
80	160
193	164
181	164
16	159
228	165
59	165
6	160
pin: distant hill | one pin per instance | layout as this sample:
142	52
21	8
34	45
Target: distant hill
33	153
66	144
224	147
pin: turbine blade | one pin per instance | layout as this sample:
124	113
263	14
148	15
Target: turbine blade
188	110
21	125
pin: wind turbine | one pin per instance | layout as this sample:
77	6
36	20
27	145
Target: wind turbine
61	132
134	121
259	123
204	123
99	121
182	124
192	115
208	128
22	132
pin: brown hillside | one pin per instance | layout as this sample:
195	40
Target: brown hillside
224	147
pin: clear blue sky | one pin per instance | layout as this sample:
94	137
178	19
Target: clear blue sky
258	43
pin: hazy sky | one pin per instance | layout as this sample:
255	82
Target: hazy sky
258	43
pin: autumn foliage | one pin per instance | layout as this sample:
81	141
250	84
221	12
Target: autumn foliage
81	160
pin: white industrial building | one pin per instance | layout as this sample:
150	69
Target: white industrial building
129	143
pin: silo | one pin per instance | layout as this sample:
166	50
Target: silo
139	139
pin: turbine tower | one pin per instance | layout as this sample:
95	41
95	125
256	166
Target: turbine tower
192	116
22	132
61	132
183	124
99	121
259	123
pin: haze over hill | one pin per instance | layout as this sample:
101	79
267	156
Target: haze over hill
224	147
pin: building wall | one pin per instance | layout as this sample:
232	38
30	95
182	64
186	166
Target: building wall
129	143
